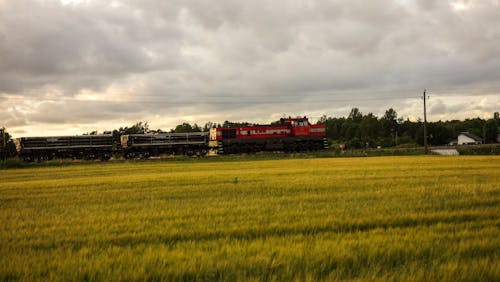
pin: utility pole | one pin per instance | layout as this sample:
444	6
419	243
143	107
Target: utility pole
425	126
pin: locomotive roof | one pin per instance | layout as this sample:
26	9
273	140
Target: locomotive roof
283	120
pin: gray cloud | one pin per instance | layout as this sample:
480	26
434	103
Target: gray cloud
177	60
438	107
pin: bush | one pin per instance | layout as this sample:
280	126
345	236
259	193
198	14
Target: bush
11	163
479	150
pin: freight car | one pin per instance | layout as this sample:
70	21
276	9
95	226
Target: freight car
290	135
87	147
146	145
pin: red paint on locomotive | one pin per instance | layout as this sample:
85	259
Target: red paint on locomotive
288	127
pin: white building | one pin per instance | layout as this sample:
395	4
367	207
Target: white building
466	138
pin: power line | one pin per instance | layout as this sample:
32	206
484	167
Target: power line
322	92
219	99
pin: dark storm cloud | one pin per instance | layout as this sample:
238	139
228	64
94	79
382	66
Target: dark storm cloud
238	59
45	42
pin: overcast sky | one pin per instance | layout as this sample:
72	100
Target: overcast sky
70	67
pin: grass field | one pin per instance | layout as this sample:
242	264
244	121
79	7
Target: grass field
386	218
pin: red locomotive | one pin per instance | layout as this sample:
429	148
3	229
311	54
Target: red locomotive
291	135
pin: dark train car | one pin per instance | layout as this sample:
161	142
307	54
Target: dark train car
86	147
290	135
146	145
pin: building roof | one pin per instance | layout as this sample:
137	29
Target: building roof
471	136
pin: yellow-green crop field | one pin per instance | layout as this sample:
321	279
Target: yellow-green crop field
387	218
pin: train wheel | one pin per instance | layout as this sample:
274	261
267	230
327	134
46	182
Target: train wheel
235	149
320	145
105	157
310	146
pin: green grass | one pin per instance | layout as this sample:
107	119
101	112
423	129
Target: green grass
421	218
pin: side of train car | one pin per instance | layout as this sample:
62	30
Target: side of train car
65	147
146	145
291	134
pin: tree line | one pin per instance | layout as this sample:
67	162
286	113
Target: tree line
357	130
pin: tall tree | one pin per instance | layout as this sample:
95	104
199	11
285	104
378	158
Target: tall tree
355	115
491	130
10	147
389	122
369	128
183	128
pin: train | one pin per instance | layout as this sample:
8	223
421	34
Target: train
288	135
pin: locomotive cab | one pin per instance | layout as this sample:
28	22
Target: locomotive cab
300	126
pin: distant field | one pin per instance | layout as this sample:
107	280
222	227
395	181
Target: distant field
384	218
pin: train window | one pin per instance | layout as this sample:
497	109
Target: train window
248	132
